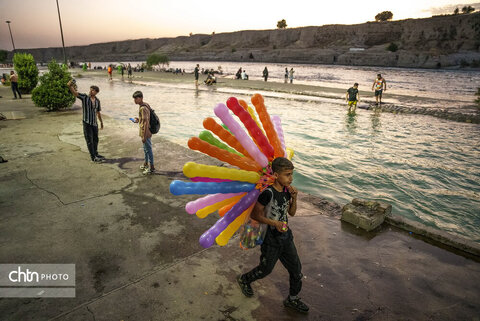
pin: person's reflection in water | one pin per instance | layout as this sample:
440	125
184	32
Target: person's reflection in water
197	92
351	123
375	118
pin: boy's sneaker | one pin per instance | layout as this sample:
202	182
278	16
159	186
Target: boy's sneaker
144	167
148	171
245	287
100	156
97	160
296	304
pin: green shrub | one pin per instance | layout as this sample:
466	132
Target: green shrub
3	55
156	59
27	72
392	47
234	49
53	92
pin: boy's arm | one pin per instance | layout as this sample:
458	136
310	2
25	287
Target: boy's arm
72	89
100	119
385	84
346	96
358	97
144	123
259	215
293	200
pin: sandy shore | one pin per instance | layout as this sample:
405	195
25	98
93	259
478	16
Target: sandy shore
136	250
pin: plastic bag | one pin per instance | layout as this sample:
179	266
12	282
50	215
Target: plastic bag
252	234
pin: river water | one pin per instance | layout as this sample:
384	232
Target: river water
427	168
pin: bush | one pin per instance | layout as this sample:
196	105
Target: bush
282	24
156	59
53	92
27	72
392	47
384	16
3	55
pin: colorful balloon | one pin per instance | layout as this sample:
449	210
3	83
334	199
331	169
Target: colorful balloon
202	213
192	169
250	110
182	188
210	124
257	101
222	211
222	112
277	124
209	180
227	234
196	143
251	126
209	138
290	153
194	206
208	238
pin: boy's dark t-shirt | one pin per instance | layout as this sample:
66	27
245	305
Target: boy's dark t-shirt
352	94
277	209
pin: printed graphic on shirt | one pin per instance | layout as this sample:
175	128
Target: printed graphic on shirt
276	204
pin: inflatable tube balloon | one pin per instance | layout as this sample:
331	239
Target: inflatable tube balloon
209	138
257	101
277	124
222	211
290	153
251	126
227	234
209	179
208	238
184	188
250	110
196	143
192	169
210	124
202	213
208	200
222	112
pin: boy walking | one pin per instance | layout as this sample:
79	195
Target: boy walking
14	85
352	97
143	120
380	85
91	110
272	207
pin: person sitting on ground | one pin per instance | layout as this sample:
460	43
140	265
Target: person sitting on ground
244	75
238	75
210	79
352	97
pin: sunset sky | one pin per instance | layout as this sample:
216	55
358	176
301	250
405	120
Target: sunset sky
34	23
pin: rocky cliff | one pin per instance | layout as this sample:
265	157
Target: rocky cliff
435	42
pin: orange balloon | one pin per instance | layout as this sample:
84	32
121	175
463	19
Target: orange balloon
210	124
257	101
196	143
243	103
223	210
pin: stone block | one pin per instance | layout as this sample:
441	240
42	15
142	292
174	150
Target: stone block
365	214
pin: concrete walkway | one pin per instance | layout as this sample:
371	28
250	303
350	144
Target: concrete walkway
137	254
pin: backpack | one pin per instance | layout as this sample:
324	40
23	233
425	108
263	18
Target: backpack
154	122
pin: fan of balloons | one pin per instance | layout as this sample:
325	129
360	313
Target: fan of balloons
233	192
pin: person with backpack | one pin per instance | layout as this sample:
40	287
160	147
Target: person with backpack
146	118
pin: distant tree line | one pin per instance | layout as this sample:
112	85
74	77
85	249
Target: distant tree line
465	9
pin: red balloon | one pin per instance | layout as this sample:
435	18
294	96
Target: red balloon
257	101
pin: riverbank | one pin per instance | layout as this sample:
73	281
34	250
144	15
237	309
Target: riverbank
136	250
392	102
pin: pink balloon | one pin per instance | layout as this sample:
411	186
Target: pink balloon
193	206
222	112
277	124
251	126
209	179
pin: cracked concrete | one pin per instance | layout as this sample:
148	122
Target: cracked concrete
137	255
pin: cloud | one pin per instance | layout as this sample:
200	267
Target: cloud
448	9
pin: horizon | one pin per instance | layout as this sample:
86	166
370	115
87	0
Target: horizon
158	20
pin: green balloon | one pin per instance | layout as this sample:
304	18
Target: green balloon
209	138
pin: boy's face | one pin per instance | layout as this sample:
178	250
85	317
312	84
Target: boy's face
285	177
93	92
138	100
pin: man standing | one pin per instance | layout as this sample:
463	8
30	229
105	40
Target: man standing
143	120
195	72
14	85
352	97
91	110
265	73
129	71
380	85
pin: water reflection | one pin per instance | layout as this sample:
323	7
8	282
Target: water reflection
351	123
375	119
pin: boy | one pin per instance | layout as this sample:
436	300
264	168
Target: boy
91	110
271	208
352	97
14	85
380	85
144	121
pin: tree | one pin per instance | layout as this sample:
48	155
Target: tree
456	11
282	24
156	59
3	55
392	47
53	92
384	16
468	9
27	72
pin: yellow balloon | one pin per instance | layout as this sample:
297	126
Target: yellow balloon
192	169
202	213
227	233
290	153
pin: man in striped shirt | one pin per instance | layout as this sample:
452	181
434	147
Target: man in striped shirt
91	110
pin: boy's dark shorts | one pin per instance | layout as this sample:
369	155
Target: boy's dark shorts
378	92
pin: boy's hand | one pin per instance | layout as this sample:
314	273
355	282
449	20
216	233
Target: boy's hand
69	83
137	120
281	227
293	191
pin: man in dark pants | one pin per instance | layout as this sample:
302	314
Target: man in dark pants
14	84
91	110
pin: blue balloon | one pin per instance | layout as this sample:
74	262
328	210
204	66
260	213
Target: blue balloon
182	188
208	238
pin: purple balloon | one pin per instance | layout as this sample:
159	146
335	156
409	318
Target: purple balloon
208	238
